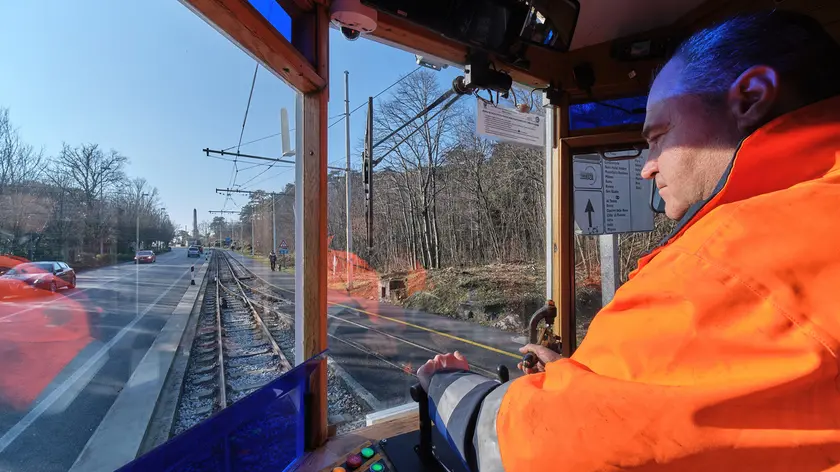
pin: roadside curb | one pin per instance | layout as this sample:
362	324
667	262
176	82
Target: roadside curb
119	436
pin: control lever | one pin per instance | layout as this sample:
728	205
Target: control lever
545	336
503	373
424	448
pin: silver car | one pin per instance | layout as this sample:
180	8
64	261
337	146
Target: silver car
193	252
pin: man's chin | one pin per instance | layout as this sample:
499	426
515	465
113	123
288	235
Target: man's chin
675	212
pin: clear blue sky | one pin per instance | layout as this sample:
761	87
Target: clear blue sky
155	82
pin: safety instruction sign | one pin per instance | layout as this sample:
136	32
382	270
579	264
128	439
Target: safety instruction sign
610	195
510	125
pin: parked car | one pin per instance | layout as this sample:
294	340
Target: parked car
193	251
44	275
145	256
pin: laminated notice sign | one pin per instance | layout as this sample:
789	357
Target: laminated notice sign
510	125
610	196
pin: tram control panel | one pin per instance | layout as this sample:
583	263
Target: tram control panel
424	450
366	458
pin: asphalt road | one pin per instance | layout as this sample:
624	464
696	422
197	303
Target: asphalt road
379	344
65	358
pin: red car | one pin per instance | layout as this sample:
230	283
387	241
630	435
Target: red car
45	275
145	256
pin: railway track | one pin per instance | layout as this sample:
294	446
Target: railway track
234	352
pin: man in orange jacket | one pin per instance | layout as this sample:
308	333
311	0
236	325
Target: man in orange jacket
720	352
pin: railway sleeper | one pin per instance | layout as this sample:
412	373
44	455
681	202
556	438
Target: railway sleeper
247	352
201	370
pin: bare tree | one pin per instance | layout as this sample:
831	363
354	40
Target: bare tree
91	169
19	162
417	150
94	172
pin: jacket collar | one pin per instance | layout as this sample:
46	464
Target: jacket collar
796	147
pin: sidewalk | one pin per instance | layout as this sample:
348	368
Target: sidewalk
283	280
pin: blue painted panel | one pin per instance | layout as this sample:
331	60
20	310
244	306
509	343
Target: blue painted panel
276	15
263	431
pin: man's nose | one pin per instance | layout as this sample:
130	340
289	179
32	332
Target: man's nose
650	169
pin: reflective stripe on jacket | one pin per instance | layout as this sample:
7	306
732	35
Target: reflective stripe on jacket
720	352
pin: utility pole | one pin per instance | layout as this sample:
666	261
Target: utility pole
368	177
137	235
349	245
273	225
252	233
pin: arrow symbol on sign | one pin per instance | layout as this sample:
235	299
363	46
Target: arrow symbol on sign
589	209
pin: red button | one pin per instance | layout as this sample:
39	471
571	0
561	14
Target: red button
354	461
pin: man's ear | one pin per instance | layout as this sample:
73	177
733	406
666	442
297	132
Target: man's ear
753	96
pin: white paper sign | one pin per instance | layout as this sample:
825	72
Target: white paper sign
510	125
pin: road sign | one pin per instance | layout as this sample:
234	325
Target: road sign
284	247
511	125
611	196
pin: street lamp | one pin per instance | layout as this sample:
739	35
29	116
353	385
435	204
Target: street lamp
137	236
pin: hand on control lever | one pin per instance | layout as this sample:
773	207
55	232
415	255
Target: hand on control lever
440	362
543	355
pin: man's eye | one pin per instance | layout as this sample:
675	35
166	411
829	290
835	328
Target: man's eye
654	140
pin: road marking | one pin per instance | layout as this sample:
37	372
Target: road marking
398	338
35	413
406	323
430	330
72	295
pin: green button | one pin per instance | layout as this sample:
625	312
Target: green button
377	467
367	453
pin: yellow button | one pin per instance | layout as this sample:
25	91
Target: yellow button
339	469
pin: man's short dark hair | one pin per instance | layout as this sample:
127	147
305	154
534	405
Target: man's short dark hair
795	45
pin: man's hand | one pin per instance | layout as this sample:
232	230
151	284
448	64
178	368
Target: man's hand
440	362
544	356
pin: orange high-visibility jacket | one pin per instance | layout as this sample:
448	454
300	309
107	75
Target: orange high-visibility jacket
720	352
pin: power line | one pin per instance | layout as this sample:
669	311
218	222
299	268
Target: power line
256	140
271	177
244	121
232	160
377	95
340	117
421	126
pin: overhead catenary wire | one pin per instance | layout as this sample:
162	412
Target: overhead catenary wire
244	121
256	140
422	113
340	117
377	95
425	122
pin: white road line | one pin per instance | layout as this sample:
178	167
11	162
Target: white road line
40	408
71	295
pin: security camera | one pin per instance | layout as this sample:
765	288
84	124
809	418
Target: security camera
350	33
352	18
